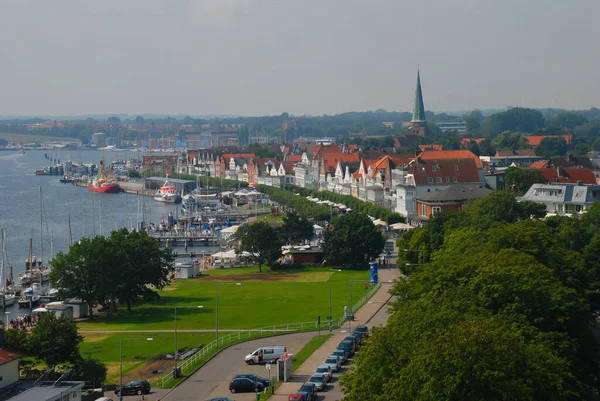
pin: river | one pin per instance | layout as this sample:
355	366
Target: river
20	205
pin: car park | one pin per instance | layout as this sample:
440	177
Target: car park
325	371
319	381
244	385
309	391
334	362
255	378
342	354
138	387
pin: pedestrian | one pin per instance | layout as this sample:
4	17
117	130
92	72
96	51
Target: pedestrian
260	356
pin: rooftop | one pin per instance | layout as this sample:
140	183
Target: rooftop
26	391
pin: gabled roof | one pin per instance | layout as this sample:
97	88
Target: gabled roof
464	170
538	165
431	146
454	193
516	153
571	161
294	158
568	175
8	356
450	154
535	140
323	149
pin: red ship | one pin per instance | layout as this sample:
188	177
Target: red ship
99	185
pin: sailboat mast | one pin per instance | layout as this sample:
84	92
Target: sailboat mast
69	222
3	235
41	227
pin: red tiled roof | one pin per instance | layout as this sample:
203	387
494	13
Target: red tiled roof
294	158
288	166
322	149
540	164
568	175
8	356
465	171
535	140
331	160
450	154
466	141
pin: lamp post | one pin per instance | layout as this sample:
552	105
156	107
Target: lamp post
330	313
7	313
121	361
217	308
175	375
350	282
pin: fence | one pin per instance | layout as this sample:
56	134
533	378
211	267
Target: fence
191	363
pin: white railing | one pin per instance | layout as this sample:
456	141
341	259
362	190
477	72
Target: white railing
360	303
188	364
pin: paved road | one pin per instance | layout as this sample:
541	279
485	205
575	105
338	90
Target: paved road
213	378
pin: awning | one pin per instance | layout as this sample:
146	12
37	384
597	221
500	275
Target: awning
317	227
232	229
379	222
401	226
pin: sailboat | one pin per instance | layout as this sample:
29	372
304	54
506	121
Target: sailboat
8	298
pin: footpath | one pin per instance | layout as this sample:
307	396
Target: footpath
379	300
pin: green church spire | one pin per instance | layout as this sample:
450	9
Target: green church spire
419	109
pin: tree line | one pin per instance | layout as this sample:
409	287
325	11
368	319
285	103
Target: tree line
497	305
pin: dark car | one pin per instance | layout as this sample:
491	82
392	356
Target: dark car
347	346
361	329
138	387
221	399
308	391
354	340
253	377
343	354
245	385
358	338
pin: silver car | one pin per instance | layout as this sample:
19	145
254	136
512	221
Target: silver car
324	370
334	362
319	381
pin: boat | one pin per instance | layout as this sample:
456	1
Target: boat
67	179
167	192
40	171
35	272
100	183
8	298
26	300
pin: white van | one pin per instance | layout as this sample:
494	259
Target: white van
270	353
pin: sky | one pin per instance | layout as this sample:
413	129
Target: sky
266	57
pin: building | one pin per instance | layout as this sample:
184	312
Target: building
517	157
99	139
458	126
563	199
9	368
48	391
568	175
450	198
418	123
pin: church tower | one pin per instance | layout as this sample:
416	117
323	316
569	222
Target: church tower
418	124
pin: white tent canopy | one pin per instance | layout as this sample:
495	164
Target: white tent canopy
379	222
317	227
230	254
401	226
232	229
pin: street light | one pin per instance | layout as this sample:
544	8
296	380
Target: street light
121	361
329	281
7	313
350	282
217	300
175	375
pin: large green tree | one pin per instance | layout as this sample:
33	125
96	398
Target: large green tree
353	240
89	271
143	265
519	180
262	241
552	146
296	229
55	339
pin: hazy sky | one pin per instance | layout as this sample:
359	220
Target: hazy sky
259	57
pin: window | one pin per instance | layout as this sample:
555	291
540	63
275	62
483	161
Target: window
434	168
429	180
456	167
448	180
436	209
455	180
438	180
423	210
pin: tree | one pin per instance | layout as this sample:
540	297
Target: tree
90	370
114	120
87	271
516	119
353	240
448	140
486	148
566	121
474	120
296	229
142	265
3	142
552	146
55	339
139	120
262	242
520	180
133	173
16	340
510	140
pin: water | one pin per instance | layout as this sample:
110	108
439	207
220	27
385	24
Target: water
20	206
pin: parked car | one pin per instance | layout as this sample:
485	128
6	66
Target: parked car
265	354
265	382
353	340
319	381
244	385
298	397
361	329
138	387
334	363
221	399
325	371
309	391
347	346
357	337
342	354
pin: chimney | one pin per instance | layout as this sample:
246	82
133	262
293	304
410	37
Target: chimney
558	172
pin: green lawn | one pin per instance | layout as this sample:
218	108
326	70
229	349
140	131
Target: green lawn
291	296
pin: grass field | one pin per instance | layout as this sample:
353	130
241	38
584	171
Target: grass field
26	138
266	299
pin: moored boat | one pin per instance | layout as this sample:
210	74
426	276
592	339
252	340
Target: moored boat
167	192
100	185
28	300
